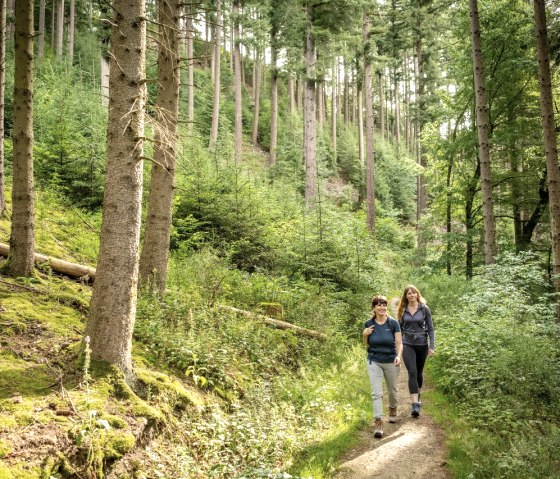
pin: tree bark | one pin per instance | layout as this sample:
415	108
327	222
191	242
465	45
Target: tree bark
57	265
113	304
382	127
274	98
334	113
397	116
157	234
257	92
490	248
41	32
309	121
360	124
237	83
59	27
370	158
190	65
550	143
217	81
22	236
274	322
3	39
71	28
291	94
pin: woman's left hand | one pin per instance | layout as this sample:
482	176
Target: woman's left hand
430	352
397	361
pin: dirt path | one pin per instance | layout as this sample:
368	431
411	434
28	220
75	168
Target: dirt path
411	448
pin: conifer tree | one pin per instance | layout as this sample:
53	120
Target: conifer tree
490	248
113	304
155	250
22	236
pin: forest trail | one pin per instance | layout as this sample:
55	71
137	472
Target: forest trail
410	448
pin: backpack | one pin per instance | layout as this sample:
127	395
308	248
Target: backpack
412	335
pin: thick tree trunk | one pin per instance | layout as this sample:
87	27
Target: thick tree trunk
550	143
217	81
157	234
237	82
3	39
190	66
274	100
22	236
370	158
309	125
490	248
59	27
41	32
113	304
71	27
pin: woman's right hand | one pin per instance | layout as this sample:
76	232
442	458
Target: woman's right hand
367	331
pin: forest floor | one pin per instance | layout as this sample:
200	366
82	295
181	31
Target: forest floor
410	448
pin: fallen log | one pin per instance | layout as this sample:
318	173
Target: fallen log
274	322
58	265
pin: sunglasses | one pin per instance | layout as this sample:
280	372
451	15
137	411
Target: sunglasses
380	303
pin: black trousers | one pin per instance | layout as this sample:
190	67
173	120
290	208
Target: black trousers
414	360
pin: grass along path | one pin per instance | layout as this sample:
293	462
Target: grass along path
410	448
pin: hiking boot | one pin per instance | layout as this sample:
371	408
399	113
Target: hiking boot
392	414
378	427
415	409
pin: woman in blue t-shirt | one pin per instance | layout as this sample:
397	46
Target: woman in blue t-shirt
418	334
382	336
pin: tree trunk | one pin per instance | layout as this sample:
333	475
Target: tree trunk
360	125
53	22
490	248
105	72
257	92
157	234
71	27
299	93
41	32
237	83
346	94
397	116
113	304
22	236
333	114
59	27
309	125
550	144
274	99
3	39
381	105
370	158
291	94
422	195
10	14
190	65
406	104
217	80
471	191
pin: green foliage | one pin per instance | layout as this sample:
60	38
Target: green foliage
69	150
497	358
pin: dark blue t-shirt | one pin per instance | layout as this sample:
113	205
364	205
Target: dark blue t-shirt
381	343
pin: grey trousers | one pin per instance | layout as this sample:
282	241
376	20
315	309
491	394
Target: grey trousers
376	373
